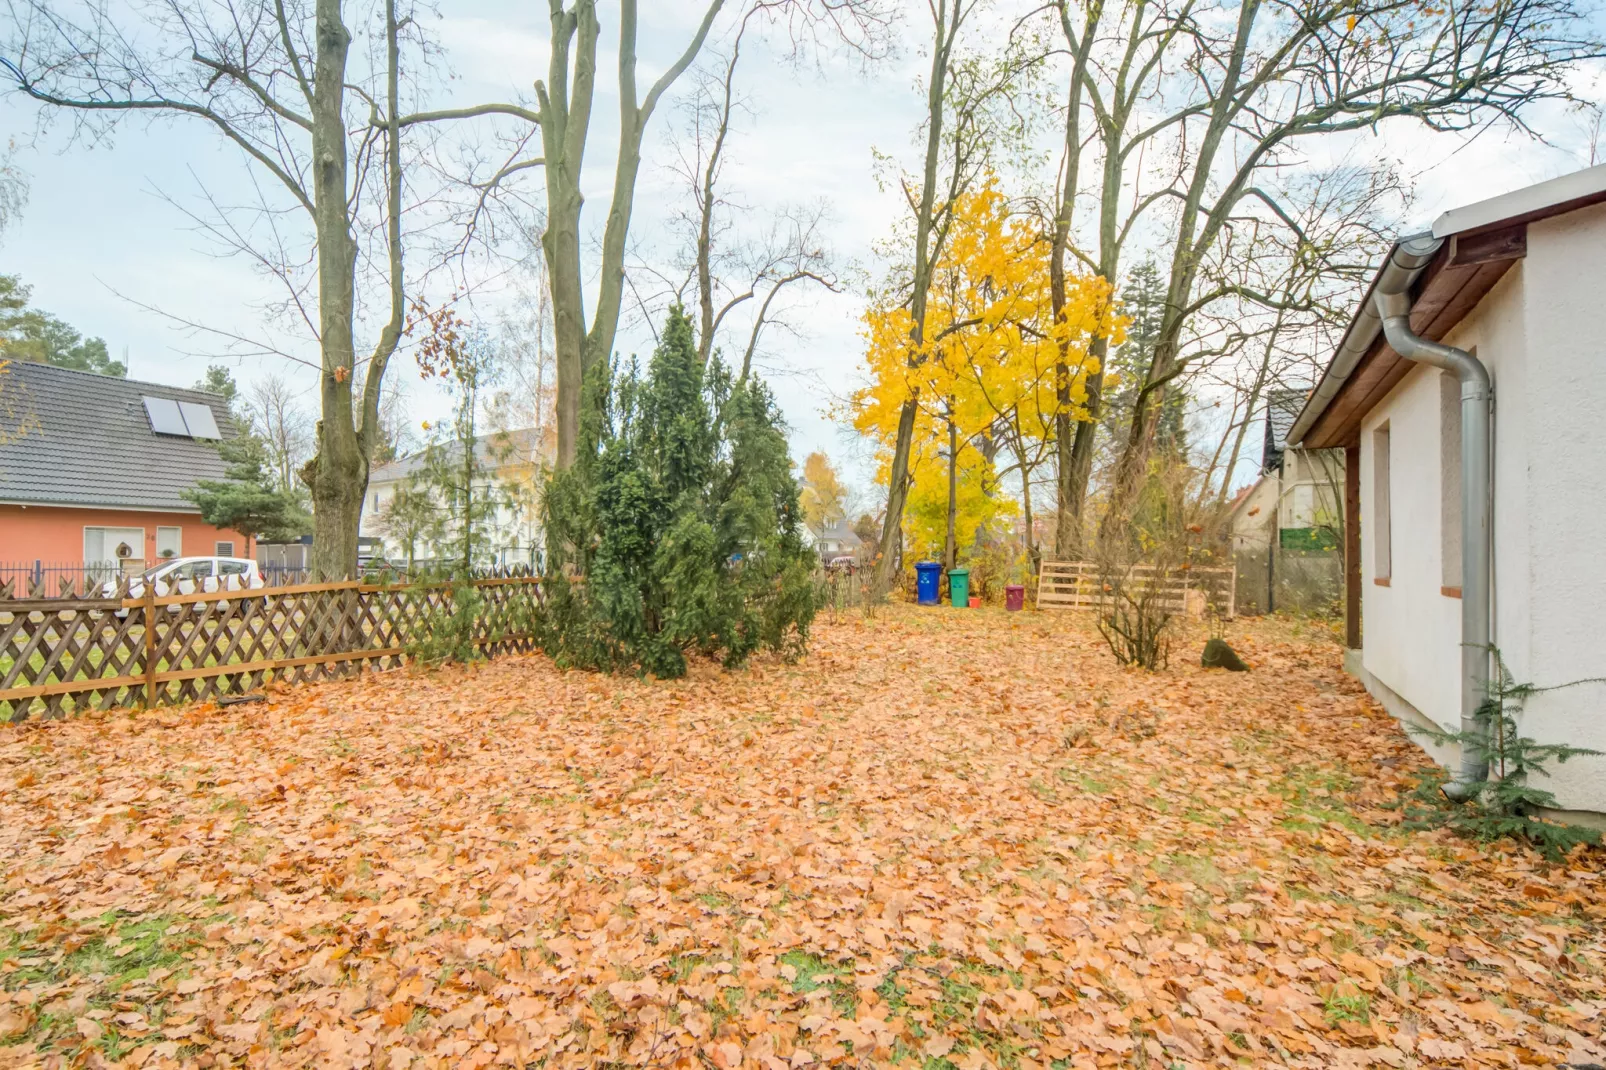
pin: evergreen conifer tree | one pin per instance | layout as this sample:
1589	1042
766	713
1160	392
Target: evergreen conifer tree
1143	302
248	499
678	528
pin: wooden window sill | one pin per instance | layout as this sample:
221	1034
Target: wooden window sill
1381	581
1450	592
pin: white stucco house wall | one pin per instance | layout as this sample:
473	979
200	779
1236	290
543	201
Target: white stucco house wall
1520	282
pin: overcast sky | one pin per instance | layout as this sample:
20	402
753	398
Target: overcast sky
99	238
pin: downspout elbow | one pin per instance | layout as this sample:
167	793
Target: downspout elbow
1395	310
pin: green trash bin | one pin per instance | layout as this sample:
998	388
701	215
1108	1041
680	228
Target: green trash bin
959	587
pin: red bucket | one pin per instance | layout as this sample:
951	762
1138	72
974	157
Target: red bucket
1014	597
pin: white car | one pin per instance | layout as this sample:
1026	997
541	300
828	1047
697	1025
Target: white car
193	575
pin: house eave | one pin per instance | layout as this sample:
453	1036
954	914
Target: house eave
1556	196
1479	243
29	503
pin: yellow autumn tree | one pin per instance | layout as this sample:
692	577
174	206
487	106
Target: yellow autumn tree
940	516
985	375
1009	375
823	497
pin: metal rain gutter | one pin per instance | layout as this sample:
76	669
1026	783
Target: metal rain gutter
1400	271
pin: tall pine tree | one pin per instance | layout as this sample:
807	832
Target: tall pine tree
31	335
1143	301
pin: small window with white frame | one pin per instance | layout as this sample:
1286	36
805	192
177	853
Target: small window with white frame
225	548
169	543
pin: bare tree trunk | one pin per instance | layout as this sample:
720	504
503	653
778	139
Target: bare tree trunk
347	436
1112	116
566	99
948	543
471	401
633	117
1068	525
1077	471
561	245
897	493
565	122
1191	242
705	221
945	33
1026	511
339	471
1074	481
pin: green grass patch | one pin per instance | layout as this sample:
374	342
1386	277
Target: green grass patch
815	973
1355	1008
108	959
121	954
1315	798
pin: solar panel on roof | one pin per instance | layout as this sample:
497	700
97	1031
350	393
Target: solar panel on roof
165	417
198	418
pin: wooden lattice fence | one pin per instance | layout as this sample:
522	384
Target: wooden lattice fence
58	655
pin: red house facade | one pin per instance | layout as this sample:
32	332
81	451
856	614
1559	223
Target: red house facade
93	469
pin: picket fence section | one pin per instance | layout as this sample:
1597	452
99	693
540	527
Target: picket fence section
150	647
1080	585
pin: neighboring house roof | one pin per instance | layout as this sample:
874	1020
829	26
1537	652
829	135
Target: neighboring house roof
839	530
495	450
87	441
1472	249
1282	407
1244	496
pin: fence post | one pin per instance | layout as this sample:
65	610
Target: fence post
150	643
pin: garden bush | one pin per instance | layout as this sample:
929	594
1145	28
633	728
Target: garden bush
678	529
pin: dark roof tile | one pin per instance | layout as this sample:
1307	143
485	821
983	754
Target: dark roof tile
86	441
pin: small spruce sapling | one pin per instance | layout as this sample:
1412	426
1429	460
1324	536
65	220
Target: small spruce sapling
456	483
1507	804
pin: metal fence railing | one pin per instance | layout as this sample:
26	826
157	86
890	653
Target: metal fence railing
281	575
81	579
56	578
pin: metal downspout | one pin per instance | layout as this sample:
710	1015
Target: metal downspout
1393	302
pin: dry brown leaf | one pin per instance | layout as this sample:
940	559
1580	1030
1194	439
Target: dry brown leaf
937	820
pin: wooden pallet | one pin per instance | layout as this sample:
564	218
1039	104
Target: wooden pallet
1076	585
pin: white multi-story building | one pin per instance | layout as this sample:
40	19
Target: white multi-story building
514	466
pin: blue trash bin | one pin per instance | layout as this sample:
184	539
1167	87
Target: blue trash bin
928	575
